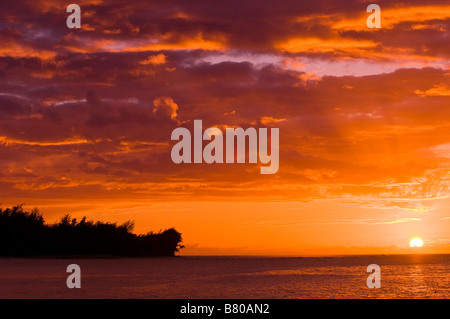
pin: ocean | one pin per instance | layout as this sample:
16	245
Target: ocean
402	276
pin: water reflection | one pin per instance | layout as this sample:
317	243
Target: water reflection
416	277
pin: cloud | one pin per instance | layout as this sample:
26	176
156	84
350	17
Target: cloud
338	221
440	90
7	141
97	105
165	107
270	120
322	29
442	150
154	59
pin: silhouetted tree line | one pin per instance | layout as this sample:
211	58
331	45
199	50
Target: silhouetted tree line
26	234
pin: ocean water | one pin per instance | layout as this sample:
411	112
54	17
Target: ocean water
402	276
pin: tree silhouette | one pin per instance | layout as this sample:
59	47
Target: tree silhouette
26	233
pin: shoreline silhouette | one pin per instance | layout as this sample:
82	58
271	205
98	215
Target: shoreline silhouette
25	234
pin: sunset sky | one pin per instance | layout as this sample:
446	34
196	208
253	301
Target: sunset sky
86	117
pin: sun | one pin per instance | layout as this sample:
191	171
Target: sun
416	242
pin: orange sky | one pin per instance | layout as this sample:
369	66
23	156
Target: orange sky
86	118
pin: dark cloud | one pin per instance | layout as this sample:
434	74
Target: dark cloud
91	111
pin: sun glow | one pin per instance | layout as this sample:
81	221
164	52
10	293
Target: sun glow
416	242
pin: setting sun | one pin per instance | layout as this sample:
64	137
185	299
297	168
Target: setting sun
416	242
